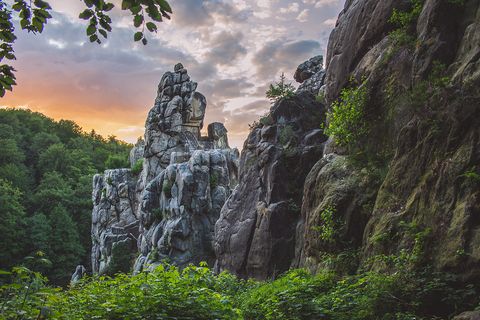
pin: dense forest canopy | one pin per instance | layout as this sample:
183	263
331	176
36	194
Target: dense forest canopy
46	169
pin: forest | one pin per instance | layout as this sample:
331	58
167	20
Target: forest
46	169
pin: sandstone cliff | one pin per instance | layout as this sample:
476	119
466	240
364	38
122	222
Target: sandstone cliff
166	207
417	187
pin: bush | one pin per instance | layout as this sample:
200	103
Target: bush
137	167
346	118
404	23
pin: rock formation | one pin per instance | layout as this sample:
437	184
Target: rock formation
169	209
423	121
114	221
255	235
310	74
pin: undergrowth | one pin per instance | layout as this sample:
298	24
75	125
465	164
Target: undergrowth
197	293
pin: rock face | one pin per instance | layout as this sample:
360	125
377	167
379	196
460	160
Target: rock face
310	74
255	234
114	221
423	114
169	209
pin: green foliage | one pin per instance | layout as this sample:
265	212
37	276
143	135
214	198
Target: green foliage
117	161
12	228
166	293
266	120
47	166
213	181
33	15
346	118
197	293
328	227
404	22
137	167
280	90
472	176
167	188
292	296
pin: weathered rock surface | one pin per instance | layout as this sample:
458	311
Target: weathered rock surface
136	153
169	210
180	207
114	221
310	74
79	273
432	139
471	315
255	234
335	196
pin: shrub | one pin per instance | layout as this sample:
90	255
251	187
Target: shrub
346	118
328	228
404	22
280	90
213	181
167	188
137	167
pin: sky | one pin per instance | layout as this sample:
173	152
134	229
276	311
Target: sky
233	48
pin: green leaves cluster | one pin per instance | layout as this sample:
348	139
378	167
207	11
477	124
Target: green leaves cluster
346	117
141	10
404	22
280	90
34	14
328	225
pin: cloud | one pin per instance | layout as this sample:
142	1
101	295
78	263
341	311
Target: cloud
303	16
320	3
232	48
292	8
278	55
226	48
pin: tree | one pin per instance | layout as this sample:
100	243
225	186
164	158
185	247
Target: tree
65	248
34	15
280	90
12	231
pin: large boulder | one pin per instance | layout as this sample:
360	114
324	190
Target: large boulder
255	234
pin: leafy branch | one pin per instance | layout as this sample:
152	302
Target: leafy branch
34	14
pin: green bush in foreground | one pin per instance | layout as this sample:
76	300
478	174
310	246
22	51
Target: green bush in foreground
197	293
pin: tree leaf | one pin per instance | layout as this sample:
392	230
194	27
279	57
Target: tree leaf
86	14
138	36
152	27
137	20
91	29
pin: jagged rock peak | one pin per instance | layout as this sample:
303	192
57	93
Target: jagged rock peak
310	74
169	209
308	68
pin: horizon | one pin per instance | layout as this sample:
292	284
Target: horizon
111	87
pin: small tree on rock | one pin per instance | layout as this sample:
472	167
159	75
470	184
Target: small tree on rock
280	90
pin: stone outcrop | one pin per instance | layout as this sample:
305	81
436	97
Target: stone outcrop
423	118
136	153
114	221
169	209
255	234
310	74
